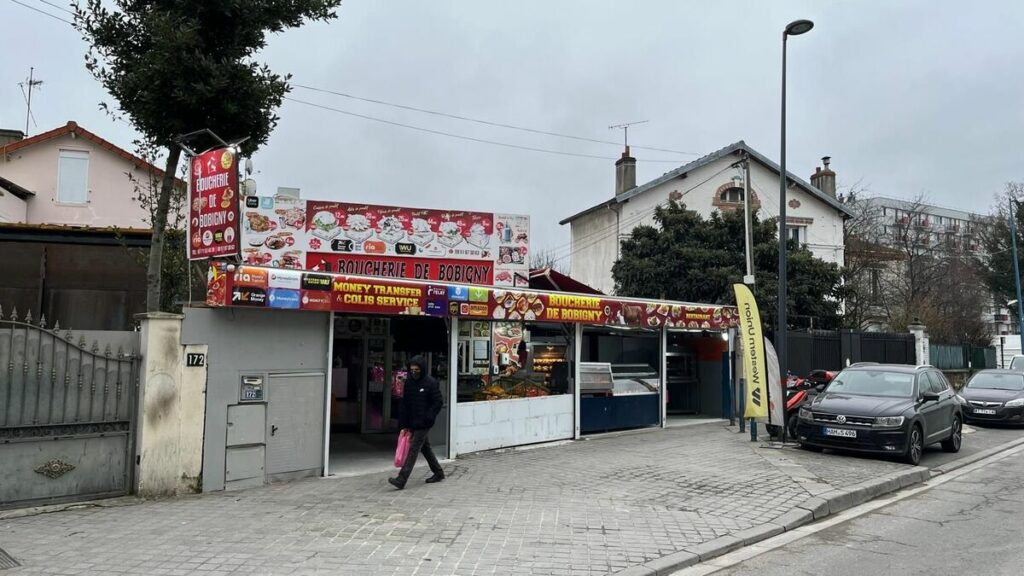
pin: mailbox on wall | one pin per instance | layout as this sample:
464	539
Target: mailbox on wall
251	389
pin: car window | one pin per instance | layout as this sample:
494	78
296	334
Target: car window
997	381
939	383
924	384
1017	363
862	382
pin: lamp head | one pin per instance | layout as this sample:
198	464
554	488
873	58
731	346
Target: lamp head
798	27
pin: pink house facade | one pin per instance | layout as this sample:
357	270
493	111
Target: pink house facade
72	235
70	177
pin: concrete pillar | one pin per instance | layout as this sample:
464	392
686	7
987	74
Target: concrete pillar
920	342
171	409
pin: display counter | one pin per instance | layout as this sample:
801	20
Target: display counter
618	397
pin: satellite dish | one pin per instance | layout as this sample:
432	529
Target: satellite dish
249	187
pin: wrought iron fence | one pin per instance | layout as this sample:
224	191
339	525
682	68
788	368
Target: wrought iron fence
51	385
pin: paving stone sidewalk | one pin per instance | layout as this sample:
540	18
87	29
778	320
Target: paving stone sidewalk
583	508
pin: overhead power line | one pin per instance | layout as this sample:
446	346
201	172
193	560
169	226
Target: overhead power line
43	12
58	7
460	136
486	122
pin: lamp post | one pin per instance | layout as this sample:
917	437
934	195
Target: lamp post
794	28
1016	269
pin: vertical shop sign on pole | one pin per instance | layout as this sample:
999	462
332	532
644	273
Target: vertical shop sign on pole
753	354
213	230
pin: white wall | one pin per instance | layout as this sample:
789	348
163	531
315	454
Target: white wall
594	250
171	410
592	259
12	208
499	423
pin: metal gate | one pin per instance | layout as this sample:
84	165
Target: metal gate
66	414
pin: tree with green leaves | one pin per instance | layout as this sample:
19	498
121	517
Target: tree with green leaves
178	67
694	259
997	249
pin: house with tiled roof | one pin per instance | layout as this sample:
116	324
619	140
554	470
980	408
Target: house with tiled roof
814	214
69	221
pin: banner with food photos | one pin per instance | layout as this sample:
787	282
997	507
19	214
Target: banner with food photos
253	286
213	205
478	248
274	232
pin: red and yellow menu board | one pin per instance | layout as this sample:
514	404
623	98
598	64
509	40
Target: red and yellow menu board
213	205
270	288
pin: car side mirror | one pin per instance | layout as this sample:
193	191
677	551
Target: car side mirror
820	388
930	397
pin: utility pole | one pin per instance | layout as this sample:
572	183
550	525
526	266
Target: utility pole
747	224
32	83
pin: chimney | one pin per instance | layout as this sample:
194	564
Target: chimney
824	179
625	173
8	136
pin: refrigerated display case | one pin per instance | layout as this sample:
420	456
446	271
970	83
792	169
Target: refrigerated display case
618	396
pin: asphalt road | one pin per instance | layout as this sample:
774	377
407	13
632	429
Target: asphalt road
976	439
973	524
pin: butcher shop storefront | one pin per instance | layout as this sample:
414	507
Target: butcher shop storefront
516	366
311	329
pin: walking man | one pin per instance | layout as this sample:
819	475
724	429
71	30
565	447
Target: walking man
421	402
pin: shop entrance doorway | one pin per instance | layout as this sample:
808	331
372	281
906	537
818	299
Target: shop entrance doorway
369	368
695	383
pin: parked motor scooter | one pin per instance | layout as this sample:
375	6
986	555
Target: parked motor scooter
799	391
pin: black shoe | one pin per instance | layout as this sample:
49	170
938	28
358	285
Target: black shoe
396	483
435	478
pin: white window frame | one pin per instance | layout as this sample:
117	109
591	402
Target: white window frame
801	233
72	155
726	196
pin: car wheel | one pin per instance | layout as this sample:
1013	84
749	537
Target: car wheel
810	448
915	446
956	437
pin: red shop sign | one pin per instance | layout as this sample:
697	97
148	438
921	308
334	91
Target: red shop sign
213	205
477	272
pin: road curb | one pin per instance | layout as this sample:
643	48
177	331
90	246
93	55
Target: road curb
968	460
808	511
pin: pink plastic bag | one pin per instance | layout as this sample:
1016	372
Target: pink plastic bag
404	438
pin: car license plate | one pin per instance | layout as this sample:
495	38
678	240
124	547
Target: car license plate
840	432
984	411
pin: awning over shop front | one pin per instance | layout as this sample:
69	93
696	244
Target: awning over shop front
258	287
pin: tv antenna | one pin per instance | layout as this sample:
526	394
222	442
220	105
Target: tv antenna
30	84
625	130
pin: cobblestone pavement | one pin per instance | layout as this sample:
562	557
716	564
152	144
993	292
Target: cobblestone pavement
583	508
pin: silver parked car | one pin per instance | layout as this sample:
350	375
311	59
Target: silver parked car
995	396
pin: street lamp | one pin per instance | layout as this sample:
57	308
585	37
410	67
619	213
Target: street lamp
794	28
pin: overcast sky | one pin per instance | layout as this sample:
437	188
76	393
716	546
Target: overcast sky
907	97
